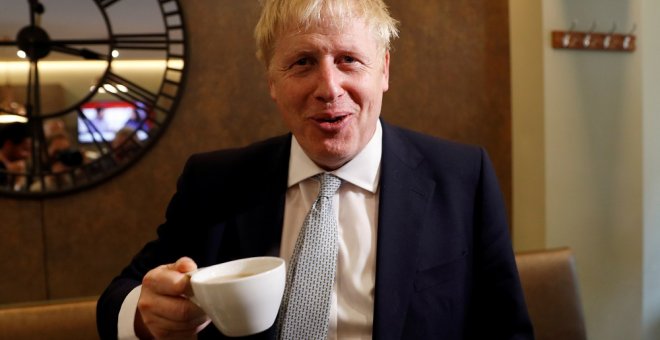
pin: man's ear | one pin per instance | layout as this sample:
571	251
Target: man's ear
386	71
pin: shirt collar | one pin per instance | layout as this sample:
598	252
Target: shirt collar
363	170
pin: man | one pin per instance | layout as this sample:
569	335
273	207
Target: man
15	145
423	252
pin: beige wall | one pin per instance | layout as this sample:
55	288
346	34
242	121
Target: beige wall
651	169
599	183
528	133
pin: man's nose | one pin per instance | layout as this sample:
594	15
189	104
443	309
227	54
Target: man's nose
329	83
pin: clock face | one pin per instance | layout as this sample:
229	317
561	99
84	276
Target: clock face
86	87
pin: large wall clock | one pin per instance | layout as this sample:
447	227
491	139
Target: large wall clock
92	83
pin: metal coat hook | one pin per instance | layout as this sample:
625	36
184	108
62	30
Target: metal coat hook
586	41
566	41
608	38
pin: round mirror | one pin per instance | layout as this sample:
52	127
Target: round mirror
86	87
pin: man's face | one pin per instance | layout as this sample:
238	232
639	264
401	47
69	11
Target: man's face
328	85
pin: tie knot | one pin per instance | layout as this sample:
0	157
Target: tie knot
329	184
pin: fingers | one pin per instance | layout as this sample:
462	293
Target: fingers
169	279
163	308
171	317
185	264
177	309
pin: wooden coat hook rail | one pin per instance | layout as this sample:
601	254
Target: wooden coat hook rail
594	41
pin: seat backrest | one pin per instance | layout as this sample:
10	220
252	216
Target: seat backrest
59	319
550	285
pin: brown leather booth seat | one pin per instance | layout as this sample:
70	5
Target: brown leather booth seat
53	320
548	278
550	285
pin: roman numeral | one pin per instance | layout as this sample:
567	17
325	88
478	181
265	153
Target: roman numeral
146	41
133	92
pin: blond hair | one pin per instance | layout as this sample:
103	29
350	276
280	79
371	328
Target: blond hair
280	15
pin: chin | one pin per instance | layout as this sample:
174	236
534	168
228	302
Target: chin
332	159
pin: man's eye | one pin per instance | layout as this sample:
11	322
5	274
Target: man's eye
348	59
301	62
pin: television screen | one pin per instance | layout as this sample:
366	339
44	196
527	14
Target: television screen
109	117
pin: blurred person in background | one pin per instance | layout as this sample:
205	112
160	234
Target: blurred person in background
15	151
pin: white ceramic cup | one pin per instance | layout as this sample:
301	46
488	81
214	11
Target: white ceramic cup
241	297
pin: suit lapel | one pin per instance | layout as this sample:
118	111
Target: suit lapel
259	228
404	197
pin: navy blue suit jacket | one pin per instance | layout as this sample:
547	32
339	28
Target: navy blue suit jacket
445	266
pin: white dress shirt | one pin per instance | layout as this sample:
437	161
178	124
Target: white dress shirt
352	309
351	314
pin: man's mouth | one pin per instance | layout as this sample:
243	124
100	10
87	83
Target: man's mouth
331	123
331	119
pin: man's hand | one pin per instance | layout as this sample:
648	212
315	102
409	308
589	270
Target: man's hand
163	310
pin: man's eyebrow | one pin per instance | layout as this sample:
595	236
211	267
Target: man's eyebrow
294	54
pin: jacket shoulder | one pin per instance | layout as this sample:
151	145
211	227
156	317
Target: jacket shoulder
260	167
414	147
247	156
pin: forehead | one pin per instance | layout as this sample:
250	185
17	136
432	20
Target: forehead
351	35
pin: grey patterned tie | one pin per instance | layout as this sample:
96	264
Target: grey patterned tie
305	309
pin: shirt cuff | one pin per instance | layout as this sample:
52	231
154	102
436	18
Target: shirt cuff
126	321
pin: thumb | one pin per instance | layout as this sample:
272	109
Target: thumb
184	265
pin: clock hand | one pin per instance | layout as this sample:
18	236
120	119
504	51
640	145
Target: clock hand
126	41
81	41
32	4
81	52
33	103
64	42
33	113
38	162
8	43
142	41
36	9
